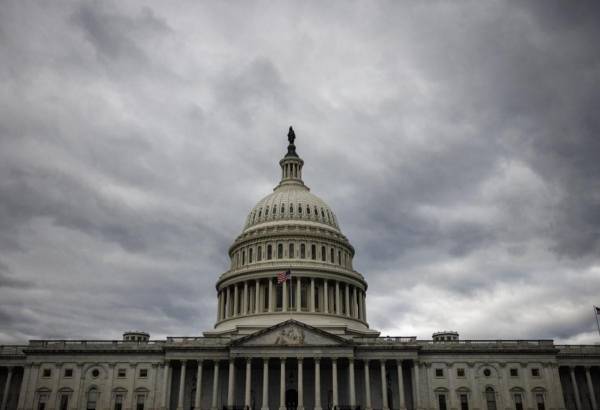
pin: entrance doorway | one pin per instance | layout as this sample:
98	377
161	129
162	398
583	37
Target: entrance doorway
291	399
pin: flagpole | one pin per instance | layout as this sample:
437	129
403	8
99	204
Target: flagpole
596	315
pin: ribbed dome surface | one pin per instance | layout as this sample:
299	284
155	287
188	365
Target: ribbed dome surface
291	203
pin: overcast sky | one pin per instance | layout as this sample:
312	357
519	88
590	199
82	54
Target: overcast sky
457	142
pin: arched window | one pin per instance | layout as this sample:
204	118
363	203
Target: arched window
282	208
259	254
267	211
323	253
313	252
119	399
299	209
279	251
269	252
42	398
539	400
274	209
302	251
291	250
92	398
291	209
490	398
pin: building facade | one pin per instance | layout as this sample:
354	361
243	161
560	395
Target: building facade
304	343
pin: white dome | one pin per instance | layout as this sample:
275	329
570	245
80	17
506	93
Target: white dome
291	203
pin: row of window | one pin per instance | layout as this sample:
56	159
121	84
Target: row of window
291	250
514	372
490	398
291	210
92	400
68	372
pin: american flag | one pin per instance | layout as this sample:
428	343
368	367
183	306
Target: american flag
283	276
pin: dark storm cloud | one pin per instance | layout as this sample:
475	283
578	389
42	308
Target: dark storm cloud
458	145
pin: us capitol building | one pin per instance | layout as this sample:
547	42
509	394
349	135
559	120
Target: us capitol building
304	343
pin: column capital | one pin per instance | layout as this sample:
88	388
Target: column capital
399	362
334	359
248	360
282	359
317	359
587	367
300	359
231	360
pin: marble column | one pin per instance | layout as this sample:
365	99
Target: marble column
384	396
317	383
271	296
401	400
7	388
351	382
265	386
282	383
588	378
325	297
300	385
245	308
367	387
575	388
257	304
181	396
248	382
24	386
166	384
228	303
215	392
417	399
347	300
198	396
130	402
312	295
334	382
338	305
298	294
231	383
235	300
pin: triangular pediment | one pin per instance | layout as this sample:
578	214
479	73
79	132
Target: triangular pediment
291	333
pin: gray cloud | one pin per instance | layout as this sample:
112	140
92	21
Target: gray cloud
456	143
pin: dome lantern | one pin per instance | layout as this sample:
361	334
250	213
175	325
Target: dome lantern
291	164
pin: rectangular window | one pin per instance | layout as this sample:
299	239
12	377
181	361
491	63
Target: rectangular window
464	402
121	372
442	402
64	402
47	373
259	254
250	255
140	402
439	372
68	372
291	251
331	255
279	251
514	372
535	372
119	402
518	402
143	372
243	257
92	398
313	252
460	372
323	253
302	251
539	398
269	252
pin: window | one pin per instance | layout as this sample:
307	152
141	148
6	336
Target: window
331	255
269	252
439	372
143	372
490	398
487	372
91	399
442	402
460	372
266	211
121	372
282	209
243	257
42	400
68	372
250	255
307	210
464	402
514	372
299	209
47	373
323	253
279	251
291	250
539	398
64	402
139	402
535	372
313	252
259	254
302	251
95	373
274	209
260	212
291	209
518	401
118	402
